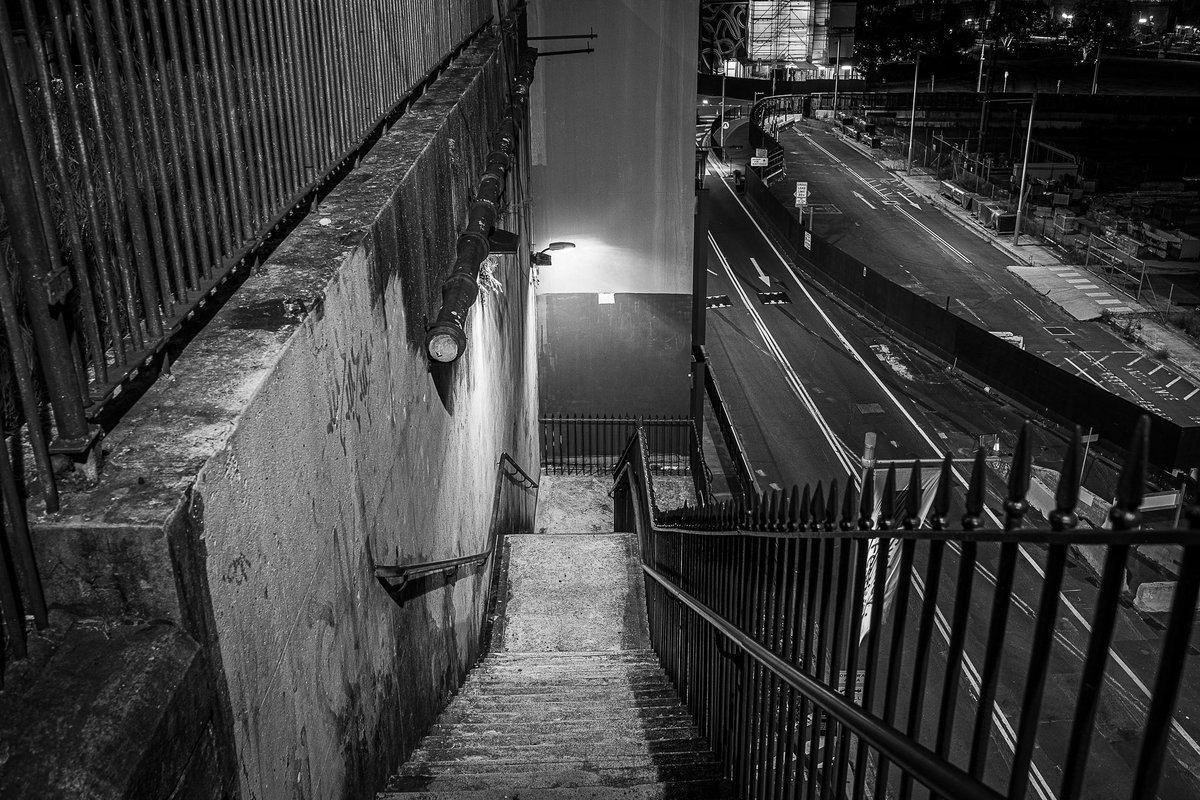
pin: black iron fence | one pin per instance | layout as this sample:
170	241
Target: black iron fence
592	444
862	645
149	147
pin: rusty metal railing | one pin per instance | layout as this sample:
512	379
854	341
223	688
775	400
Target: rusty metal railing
149	147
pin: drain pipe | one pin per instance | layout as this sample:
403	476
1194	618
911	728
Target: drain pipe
446	338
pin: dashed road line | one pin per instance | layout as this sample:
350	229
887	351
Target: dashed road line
1030	311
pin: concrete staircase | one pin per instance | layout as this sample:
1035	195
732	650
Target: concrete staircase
571	702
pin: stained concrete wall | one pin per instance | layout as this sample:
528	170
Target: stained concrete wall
613	147
303	438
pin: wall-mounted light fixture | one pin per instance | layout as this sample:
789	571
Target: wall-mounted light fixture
542	257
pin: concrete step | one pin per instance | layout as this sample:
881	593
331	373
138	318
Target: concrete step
629	655
674	727
614	694
537	704
556	672
559	681
677	790
537	747
554	776
552	714
520	762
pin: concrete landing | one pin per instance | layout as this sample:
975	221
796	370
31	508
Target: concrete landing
570	504
573	593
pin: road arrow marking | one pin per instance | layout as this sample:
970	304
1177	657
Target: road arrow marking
762	276
865	200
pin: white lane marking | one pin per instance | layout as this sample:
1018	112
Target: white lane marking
1031	312
762	276
1066	601
1192	393
1087	286
1156	369
792	379
970	311
1096	294
1040	784
1177	379
1077	280
935	237
865	200
714	274
1083	372
1136	360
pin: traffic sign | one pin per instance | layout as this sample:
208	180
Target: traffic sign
760	152
755	161
801	188
725	126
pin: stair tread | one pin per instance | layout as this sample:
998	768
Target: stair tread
448	749
518	762
668	727
555	775
712	789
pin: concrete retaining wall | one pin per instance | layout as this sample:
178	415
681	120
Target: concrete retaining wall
303	438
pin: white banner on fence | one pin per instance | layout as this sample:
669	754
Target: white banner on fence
929	479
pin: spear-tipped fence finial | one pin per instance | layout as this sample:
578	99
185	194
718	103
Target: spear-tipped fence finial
1131	485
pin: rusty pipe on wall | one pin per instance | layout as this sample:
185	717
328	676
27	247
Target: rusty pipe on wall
446	338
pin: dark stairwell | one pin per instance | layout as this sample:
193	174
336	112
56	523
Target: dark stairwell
571	700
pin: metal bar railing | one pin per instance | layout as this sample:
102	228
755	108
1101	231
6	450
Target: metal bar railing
592	444
511	480
802	617
147	149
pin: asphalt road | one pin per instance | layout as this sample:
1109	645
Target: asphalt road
805	381
868	212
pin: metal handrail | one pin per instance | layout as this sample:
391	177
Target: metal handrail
801	590
404	573
941	776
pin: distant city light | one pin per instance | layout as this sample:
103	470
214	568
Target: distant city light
1068	17
1142	21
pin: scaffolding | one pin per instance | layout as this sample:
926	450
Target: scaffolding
782	31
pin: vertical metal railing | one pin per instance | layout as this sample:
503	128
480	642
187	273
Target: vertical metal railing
148	148
591	444
837	643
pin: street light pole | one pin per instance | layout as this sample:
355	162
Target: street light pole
912	120
979	83
723	114
1096	71
1024	173
837	71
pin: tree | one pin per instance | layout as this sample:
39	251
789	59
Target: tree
890	33
1099	23
1014	22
